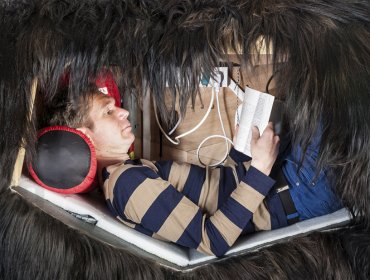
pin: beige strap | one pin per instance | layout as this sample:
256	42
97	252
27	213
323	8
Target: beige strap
22	151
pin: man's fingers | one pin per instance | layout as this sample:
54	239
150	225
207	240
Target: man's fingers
255	133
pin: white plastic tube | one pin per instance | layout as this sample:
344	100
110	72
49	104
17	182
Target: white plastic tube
176	141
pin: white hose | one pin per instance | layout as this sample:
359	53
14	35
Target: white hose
177	141
227	140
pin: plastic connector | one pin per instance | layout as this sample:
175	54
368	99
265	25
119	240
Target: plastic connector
220	77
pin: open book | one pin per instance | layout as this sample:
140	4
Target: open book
256	111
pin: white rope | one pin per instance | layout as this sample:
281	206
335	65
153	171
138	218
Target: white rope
177	141
227	140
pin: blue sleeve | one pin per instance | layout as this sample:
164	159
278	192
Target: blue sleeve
238	156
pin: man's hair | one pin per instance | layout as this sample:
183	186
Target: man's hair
74	112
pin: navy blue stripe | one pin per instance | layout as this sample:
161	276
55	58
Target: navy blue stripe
240	171
105	174
194	183
127	183
133	161
249	228
238	156
226	185
164	168
236	213
258	180
218	244
116	214
192	235
111	209
276	210
161	209
143	230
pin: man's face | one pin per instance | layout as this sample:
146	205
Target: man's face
111	132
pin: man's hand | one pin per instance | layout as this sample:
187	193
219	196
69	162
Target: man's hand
264	149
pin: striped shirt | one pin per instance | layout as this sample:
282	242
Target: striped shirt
202	208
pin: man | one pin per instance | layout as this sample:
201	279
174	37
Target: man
195	207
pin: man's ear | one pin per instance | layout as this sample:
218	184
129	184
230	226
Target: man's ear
87	132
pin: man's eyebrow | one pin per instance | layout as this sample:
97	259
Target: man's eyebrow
107	100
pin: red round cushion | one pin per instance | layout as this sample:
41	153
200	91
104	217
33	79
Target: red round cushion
65	161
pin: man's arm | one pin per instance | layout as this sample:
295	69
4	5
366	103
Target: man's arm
140	195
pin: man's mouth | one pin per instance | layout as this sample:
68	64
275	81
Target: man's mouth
127	128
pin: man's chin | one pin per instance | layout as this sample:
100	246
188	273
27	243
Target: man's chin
132	138
129	140
128	136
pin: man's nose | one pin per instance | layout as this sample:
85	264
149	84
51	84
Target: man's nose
122	113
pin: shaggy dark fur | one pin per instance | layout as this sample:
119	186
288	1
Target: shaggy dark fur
36	246
322	68
325	76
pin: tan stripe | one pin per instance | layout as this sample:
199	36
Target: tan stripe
235	175
229	231
131	225
106	190
205	243
208	198
114	171
178	220
156	236
247	196
230	162
149	164
262	218
247	164
143	197
179	173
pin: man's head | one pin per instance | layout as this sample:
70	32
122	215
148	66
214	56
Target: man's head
105	124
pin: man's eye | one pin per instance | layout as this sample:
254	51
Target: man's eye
110	112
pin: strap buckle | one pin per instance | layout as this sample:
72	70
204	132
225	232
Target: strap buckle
288	204
282	189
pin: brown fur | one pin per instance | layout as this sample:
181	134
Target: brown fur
325	79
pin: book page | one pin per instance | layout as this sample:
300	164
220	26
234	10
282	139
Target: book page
263	110
255	112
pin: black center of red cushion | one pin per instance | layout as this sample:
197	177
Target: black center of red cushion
63	159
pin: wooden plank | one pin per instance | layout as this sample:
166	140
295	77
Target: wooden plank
17	171
146	135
